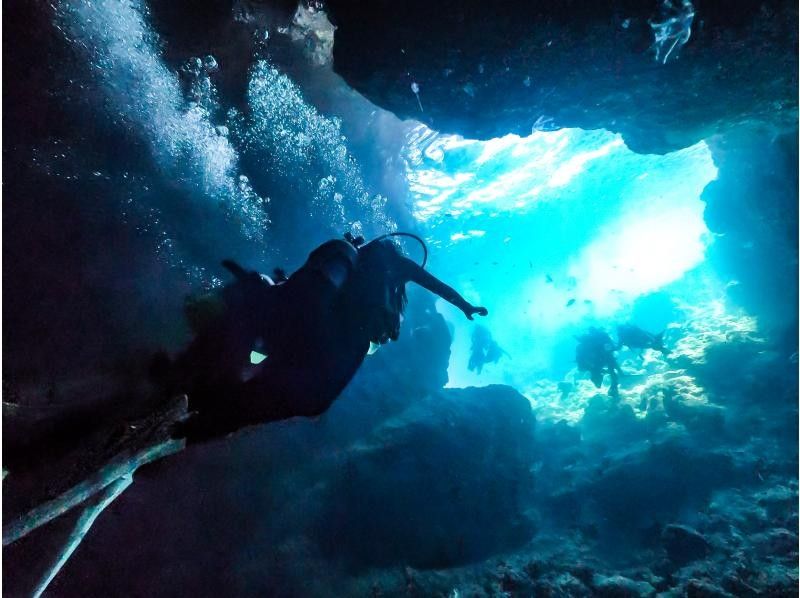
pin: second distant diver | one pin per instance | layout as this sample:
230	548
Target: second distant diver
595	354
484	349
315	327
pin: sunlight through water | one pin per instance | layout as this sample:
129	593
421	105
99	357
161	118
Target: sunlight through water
577	228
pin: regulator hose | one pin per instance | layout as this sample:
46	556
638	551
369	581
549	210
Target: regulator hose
410	235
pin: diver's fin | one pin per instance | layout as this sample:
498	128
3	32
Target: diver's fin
235	269
182	426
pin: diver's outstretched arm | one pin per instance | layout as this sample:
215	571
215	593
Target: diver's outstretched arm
409	270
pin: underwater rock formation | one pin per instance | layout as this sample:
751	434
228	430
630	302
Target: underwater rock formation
617	586
485	72
752	208
686	485
443	483
684	544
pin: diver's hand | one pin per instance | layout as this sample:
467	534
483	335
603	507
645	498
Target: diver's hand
472	309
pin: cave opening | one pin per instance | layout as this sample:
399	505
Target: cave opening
572	168
559	231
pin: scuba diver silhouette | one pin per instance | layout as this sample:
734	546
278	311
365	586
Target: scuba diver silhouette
595	354
315	327
484	349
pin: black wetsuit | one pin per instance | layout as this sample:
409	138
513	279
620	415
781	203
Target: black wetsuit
484	349
595	354
316	330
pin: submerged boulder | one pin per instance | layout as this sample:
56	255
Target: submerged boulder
752	209
442	483
684	544
776	543
697	588
618	586
563	584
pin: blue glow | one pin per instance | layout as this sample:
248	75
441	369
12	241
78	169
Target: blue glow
525	226
256	357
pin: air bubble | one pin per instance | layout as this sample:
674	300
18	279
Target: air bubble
210	64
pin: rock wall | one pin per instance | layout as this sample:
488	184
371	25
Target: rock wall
485	72
445	482
752	209
684	485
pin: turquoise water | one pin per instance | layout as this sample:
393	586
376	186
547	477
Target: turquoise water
148	157
527	225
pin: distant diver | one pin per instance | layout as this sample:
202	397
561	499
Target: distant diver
315	328
633	337
595	354
484	349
